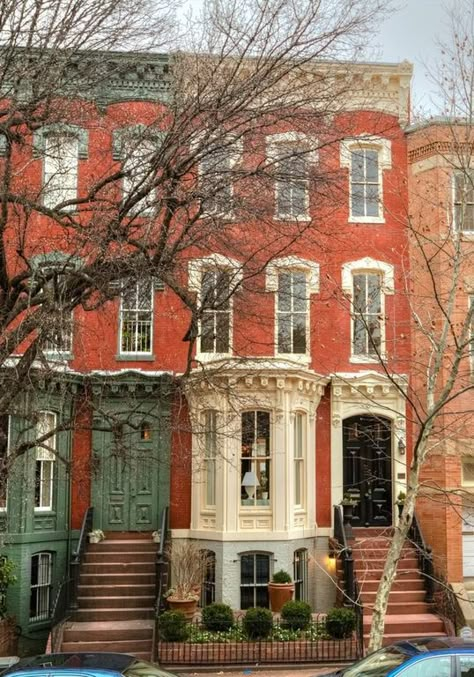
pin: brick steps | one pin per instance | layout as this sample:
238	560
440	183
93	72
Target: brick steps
408	614
116	597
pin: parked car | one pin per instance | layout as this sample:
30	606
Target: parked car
419	657
84	665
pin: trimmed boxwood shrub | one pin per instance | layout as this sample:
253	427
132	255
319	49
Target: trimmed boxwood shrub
218	617
295	615
258	623
340	622
281	577
173	626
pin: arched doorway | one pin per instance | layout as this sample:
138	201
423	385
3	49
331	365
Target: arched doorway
367	469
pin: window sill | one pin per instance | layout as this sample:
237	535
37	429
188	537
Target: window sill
303	218
57	357
260	502
366	219
365	359
134	357
44	511
299	358
212	357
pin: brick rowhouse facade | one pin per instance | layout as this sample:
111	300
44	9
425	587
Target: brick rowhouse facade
296	385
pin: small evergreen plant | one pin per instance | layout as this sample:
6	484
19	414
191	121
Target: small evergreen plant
340	622
173	626
218	617
281	577
296	615
258	623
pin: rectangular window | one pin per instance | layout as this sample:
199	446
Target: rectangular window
292	312
292	184
45	461
139	175
367	314
40	593
215	179
300	574
255	474
215	307
254	577
299	455
4	447
464	201
365	183
60	170
210	445
58	331
136	319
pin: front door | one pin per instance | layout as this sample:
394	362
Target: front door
367	444
125	487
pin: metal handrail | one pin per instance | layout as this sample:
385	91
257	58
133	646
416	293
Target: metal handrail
161	576
425	557
77	556
59	613
346	556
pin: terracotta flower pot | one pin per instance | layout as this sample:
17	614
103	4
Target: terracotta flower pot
186	606
280	593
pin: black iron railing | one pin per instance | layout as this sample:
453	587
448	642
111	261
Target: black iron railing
60	613
345	555
161	574
425	557
311	645
77	557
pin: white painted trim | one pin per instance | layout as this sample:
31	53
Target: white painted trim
212	262
368	265
310	268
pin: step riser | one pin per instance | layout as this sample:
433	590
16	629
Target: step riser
128	535
377	553
404	608
89	635
109	558
113	602
117	568
118	579
117	591
408	585
406	563
122	546
89	615
417	629
395	597
376	574
124	646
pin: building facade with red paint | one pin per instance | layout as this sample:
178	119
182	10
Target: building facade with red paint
294	397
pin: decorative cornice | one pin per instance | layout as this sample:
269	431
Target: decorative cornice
292	263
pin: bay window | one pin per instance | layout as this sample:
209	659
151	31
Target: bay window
299	458
210	452
255	472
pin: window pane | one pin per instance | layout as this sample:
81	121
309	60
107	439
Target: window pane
248	432
372	165
262	566
429	667
299	333
246	598
222	332
299	292
357	166
467	666
298	483
208	289
298	436
247	570
263	428
60	170
284	292
222	290
262	599
373	300
359	338
360	293
374	333
372	200
284	333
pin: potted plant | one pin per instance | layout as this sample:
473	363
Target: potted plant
280	590
400	502
156	537
188	563
96	536
8	634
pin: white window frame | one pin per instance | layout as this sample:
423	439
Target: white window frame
387	287
136	310
210	458
215	262
299	461
464	461
252	460
311	270
469	233
279	148
231	149
9	423
45	454
384	149
54	174
214	313
43	584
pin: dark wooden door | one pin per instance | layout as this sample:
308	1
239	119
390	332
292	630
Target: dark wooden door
367	447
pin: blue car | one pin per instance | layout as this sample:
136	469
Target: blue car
84	665
421	657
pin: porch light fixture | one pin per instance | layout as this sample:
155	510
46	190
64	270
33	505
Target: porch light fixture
401	447
250	483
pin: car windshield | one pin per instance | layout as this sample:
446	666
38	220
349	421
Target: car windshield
378	663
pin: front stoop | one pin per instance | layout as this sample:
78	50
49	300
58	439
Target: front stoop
116	597
408	614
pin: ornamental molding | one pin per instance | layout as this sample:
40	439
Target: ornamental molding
134	133
213	262
307	145
369	388
366	140
60	129
287	263
368	265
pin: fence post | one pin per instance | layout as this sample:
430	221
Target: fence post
349	578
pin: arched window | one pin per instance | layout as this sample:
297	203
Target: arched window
40	586
145	431
208	590
254	577
300	574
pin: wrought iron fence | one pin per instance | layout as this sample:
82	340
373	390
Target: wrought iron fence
283	645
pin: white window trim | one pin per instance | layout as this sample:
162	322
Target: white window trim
302	460
60	136
299	140
464	234
39	555
133	353
384	149
464	461
5	508
235	150
311	270
268	507
51	442
215	262
208	507
387	273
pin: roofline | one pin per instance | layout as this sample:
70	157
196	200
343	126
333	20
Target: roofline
440	121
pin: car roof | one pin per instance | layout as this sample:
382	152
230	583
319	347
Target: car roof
116	662
420	645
